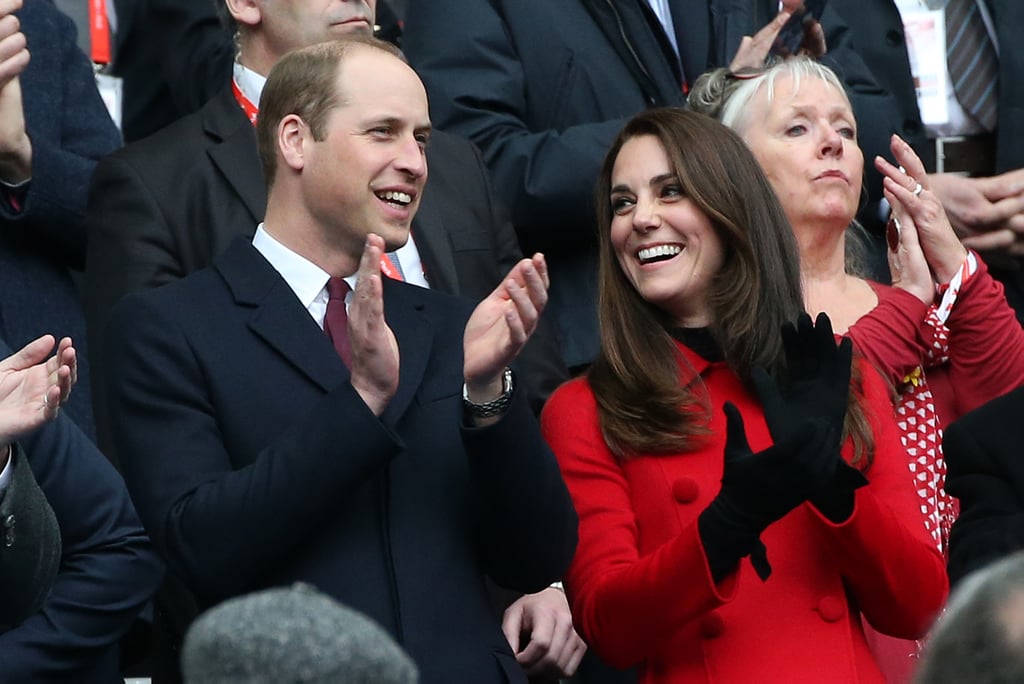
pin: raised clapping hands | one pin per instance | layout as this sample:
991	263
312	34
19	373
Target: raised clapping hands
818	380
500	326
923	222
34	387
495	333
817	389
760	488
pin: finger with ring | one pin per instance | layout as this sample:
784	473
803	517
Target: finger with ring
917	190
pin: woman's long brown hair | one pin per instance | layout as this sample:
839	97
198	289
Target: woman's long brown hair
642	406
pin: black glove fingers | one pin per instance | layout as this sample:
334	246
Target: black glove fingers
736	443
844	364
768	393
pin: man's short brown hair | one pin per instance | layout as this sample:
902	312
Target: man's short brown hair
304	83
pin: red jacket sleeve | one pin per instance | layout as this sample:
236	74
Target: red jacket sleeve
889	561
986	343
889	336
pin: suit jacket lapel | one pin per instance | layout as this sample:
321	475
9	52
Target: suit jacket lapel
405	312
431	237
278	318
234	151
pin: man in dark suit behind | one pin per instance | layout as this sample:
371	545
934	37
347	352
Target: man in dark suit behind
396	484
984	453
986	207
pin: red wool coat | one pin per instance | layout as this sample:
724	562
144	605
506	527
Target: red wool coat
640	588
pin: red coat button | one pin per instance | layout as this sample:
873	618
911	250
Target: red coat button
711	626
831	609
685	490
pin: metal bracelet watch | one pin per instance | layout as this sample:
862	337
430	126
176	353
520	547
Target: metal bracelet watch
494	407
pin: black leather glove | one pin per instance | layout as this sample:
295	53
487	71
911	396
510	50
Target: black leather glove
818	388
758	489
818	385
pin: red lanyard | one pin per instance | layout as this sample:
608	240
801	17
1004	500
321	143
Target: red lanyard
251	110
389	268
99	31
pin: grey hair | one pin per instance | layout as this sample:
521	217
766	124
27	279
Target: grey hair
980	639
726	96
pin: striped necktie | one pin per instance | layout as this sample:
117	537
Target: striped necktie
392	258
972	60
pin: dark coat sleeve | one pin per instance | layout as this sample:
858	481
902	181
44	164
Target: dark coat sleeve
479	88
70	130
197	50
108	569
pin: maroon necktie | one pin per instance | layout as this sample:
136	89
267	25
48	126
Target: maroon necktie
336	318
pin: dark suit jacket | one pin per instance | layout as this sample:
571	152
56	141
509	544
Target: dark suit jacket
876	33
172	55
254	463
108	569
984	453
166	206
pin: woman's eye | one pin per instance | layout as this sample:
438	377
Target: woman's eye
796	130
848	133
621	204
672	191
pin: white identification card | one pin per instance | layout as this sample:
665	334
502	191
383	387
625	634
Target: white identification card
112	91
925	32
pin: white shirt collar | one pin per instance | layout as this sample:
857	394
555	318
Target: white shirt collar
249	82
307	280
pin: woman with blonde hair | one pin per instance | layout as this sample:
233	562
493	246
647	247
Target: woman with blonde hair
943	334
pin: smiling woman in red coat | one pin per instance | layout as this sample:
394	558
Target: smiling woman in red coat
741	500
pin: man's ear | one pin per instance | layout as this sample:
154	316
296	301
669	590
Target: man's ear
292	136
245	12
